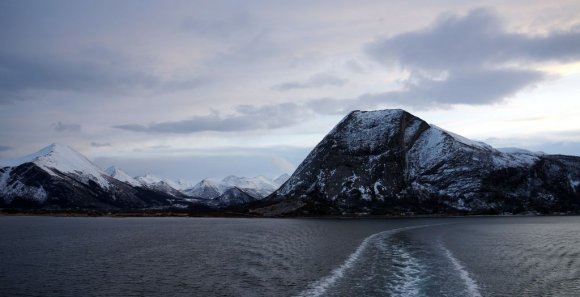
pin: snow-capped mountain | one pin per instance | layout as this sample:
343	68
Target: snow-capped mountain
260	184
280	180
160	184
207	189
57	176
234	196
182	184
390	161
57	159
120	175
257	187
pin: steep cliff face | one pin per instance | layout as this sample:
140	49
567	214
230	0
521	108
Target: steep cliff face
390	161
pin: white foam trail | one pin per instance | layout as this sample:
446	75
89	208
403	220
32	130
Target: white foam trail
470	283
408	284
319	287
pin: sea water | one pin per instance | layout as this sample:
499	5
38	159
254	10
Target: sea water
491	256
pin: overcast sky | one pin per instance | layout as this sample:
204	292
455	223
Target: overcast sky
193	89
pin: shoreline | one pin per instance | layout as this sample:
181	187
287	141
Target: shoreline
185	214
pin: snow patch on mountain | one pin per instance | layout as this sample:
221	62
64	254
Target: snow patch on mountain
120	175
366	129
464	140
18	189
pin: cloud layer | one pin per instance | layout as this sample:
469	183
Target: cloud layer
62	127
315	81
245	118
469	59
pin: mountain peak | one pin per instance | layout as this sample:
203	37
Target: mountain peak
121	175
112	170
53	150
381	112
231	179
62	158
282	179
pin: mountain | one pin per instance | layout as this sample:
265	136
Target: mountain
280	180
390	161
257	187
261	185
58	177
206	189
234	196
160	184
182	184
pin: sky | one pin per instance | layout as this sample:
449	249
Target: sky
194	89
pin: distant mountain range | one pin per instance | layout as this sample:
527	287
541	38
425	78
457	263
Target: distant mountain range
58	177
372	162
392	162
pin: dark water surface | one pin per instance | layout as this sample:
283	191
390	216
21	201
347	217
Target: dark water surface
497	256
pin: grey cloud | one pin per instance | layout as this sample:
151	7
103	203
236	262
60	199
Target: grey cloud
62	127
96	70
240	40
315	81
246	118
4	148
231	26
474	40
476	88
462	60
98	144
331	105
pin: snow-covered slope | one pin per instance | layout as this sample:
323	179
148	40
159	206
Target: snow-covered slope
11	188
160	184
182	184
120	175
391	161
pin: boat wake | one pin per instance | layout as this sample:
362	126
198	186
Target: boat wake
320	287
390	263
470	284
